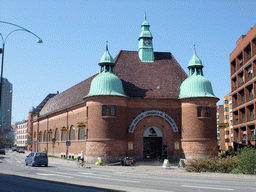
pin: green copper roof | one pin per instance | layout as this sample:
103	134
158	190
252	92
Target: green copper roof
195	61
106	83
145	29
196	85
106	58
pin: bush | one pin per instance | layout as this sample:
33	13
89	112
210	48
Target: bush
224	165
247	160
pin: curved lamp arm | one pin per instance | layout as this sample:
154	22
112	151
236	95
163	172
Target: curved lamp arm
21	29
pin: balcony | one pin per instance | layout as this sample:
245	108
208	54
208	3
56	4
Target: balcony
242	82
243	99
250	95
249	76
244	118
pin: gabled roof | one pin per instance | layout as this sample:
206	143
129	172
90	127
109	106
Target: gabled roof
158	79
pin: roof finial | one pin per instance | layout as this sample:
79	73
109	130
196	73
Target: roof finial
107	45
194	47
145	16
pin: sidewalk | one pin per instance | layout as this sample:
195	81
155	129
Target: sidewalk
144	168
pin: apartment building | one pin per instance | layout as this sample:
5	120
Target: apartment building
6	106
220	131
243	86
21	138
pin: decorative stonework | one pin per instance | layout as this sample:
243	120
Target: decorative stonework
153	113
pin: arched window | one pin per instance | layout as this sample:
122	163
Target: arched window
72	133
45	136
63	136
34	135
57	134
50	137
81	134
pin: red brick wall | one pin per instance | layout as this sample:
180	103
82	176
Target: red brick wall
199	134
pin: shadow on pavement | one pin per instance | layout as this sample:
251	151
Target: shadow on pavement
19	184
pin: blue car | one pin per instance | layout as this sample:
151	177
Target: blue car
37	158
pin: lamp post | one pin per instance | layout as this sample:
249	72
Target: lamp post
2	51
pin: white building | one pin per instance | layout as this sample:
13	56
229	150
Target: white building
21	138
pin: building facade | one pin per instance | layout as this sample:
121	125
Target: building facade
21	136
243	86
141	104
6	106
220	131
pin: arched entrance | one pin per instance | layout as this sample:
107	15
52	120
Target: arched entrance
152	143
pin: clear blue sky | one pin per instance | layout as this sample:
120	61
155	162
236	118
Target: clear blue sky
74	33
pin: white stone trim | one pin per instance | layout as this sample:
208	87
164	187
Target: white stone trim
153	113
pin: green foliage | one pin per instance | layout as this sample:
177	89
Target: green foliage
247	160
223	165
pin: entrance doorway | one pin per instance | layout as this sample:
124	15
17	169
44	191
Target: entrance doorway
152	143
152	147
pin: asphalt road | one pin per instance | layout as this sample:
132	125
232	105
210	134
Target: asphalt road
63	178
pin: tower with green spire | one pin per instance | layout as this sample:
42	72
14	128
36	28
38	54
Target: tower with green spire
196	85
146	53
106	83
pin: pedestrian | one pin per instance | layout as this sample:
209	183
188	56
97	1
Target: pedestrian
82	156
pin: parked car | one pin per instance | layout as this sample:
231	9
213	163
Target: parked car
2	151
37	158
14	149
21	150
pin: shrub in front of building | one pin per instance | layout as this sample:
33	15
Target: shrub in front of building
247	160
223	165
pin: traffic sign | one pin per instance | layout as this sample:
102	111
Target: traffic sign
53	146
53	140
222	125
39	134
50	132
68	143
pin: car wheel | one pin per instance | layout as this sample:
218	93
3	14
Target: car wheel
46	165
26	164
32	165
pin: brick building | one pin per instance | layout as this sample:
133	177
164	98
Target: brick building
220	131
243	86
141	104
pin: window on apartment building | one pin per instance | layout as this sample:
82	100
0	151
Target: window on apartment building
226	116
248	52
225	101
72	133
226	140
104	110
218	110
226	109
253	136
226	132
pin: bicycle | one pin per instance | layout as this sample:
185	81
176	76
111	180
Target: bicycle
80	163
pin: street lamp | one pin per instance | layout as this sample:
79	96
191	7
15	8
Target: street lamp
2	51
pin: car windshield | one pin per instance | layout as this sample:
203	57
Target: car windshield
41	155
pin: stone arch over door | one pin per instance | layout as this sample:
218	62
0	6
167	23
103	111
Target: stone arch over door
152	121
153	113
